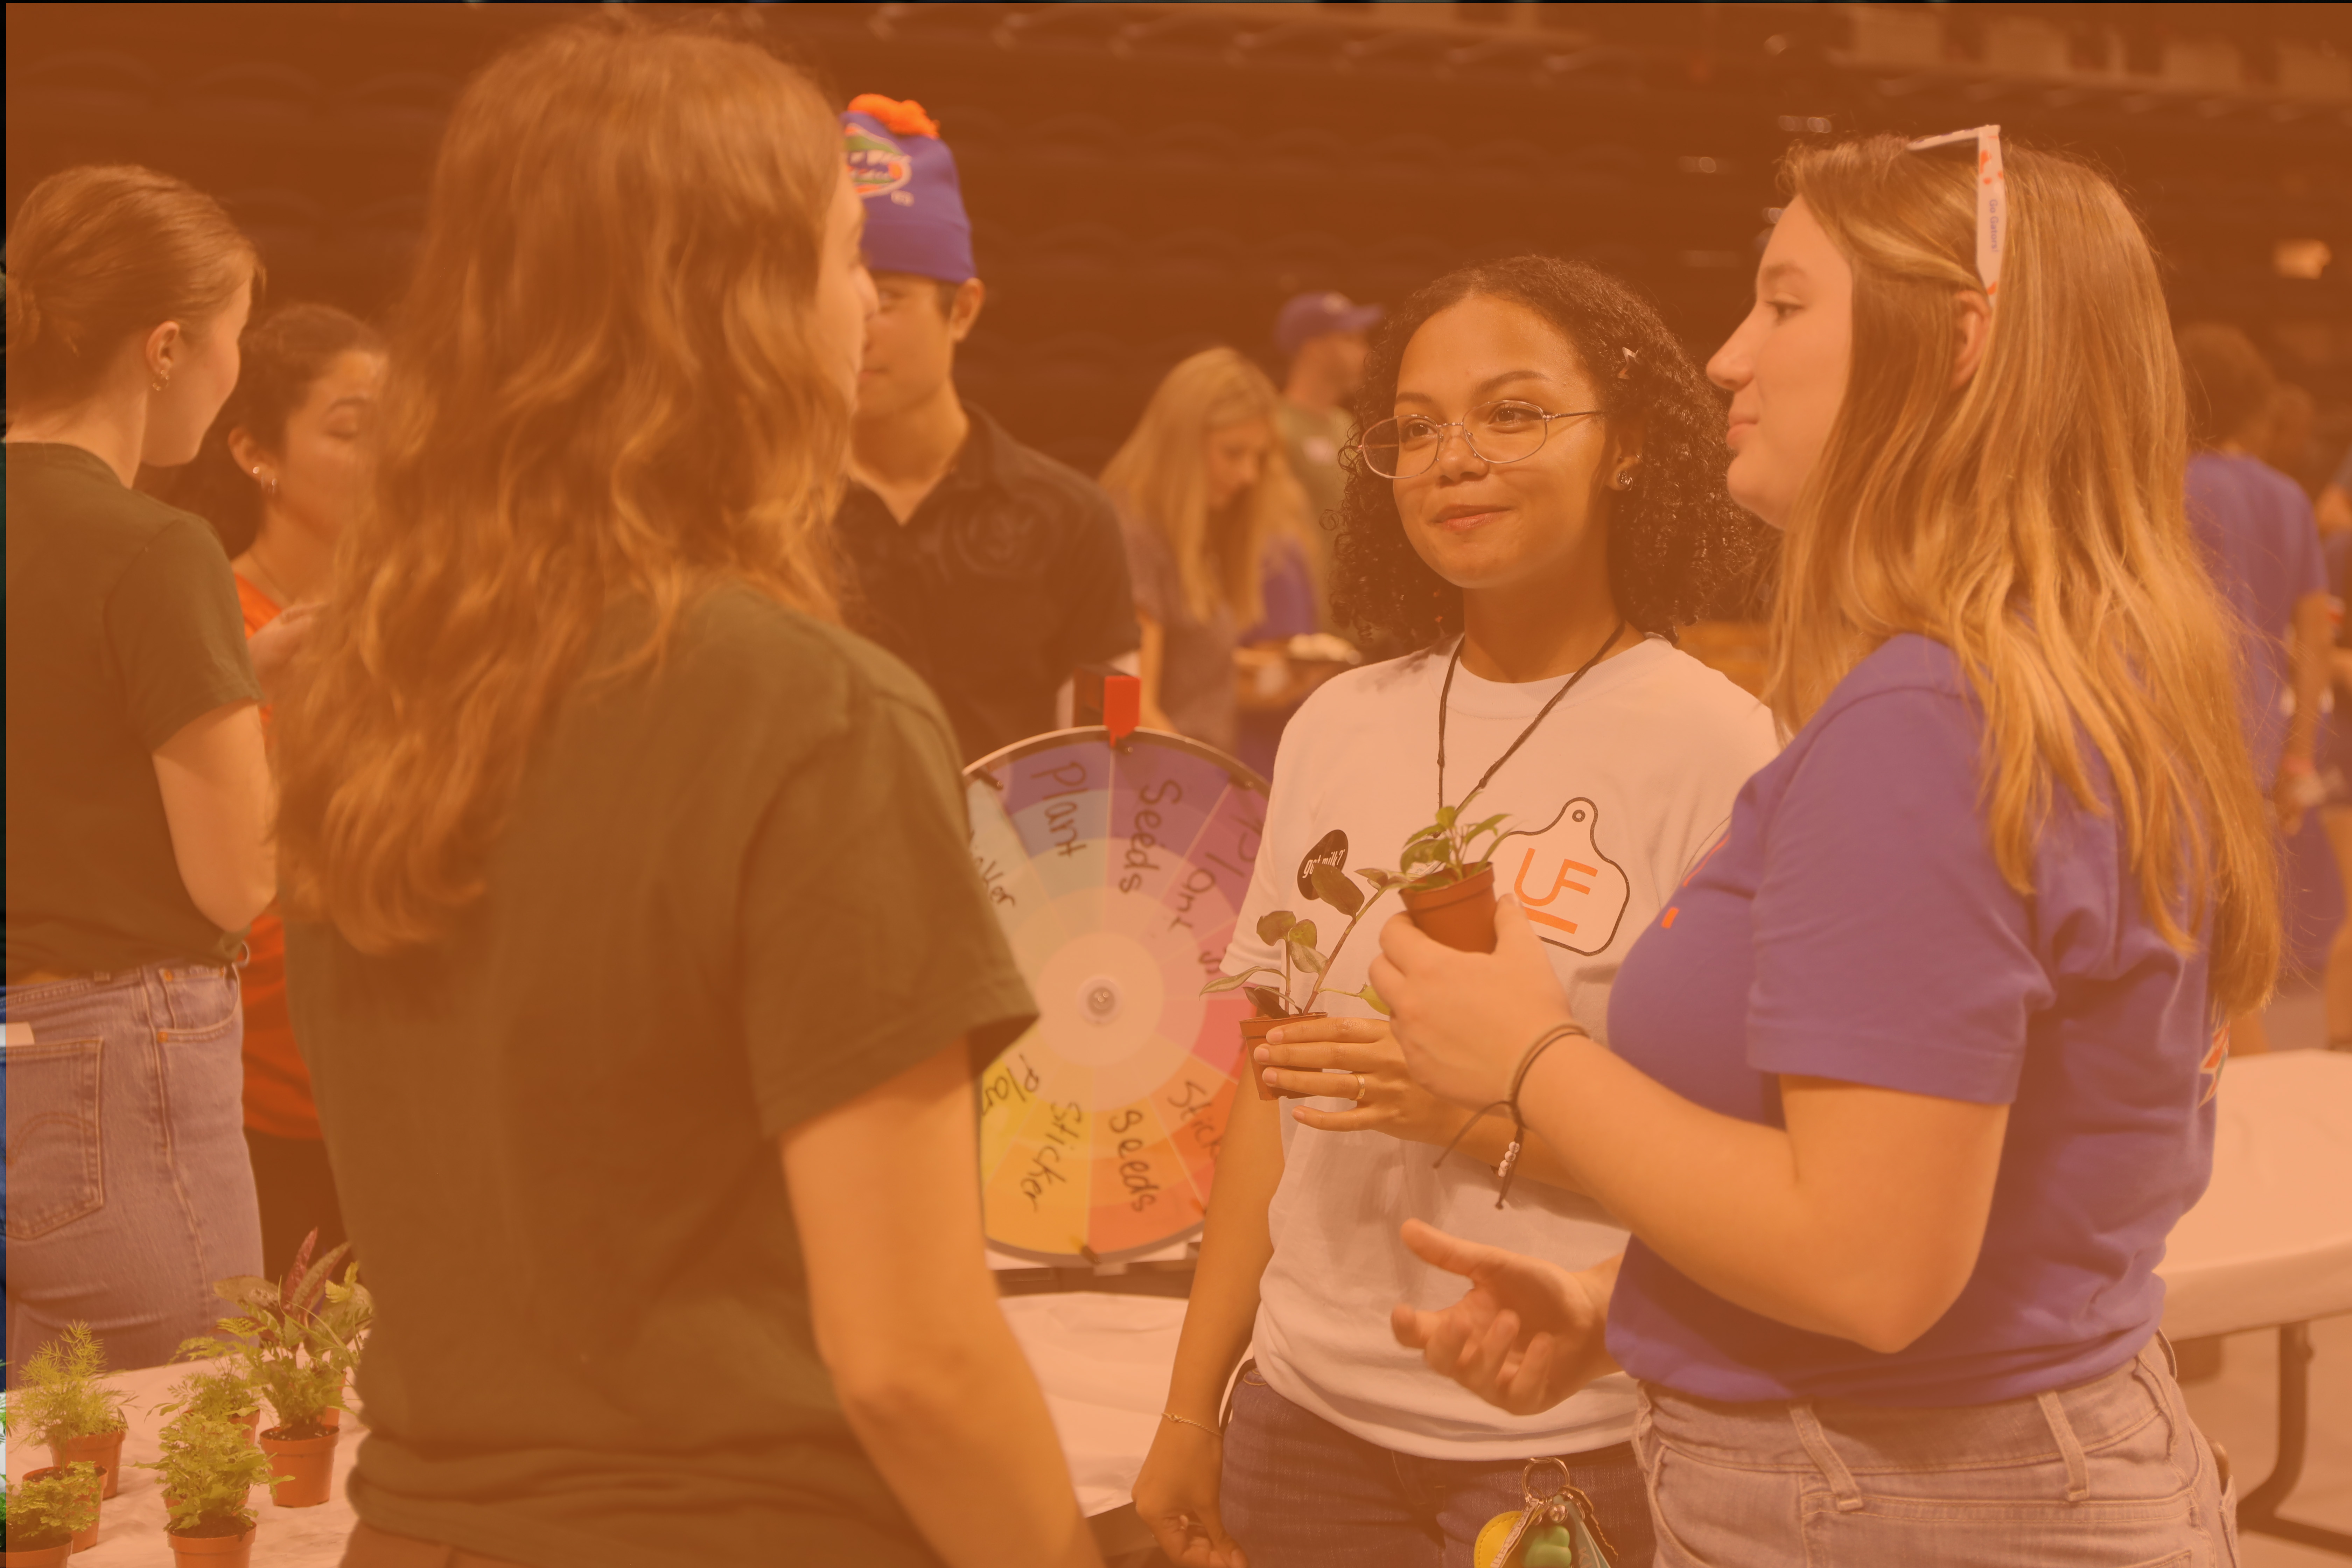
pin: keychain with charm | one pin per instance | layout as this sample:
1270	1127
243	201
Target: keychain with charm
1555	1530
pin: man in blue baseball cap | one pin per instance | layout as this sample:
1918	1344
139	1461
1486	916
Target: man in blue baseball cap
1322	337
989	567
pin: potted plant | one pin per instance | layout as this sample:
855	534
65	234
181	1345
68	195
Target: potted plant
1449	878
62	1403
50	1515
209	1469
223	1393
299	1339
1296	938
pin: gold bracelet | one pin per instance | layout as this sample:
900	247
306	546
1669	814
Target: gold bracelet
1187	1420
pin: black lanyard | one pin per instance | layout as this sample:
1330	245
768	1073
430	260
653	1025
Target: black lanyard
1445	694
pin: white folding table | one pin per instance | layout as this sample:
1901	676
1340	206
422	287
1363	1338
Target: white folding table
2270	1244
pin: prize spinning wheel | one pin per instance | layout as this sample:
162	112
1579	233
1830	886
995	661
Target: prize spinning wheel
1117	870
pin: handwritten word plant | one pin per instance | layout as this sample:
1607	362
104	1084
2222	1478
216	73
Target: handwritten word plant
1447	850
1296	938
62	1397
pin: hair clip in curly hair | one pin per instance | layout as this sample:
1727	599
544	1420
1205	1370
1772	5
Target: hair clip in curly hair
1625	370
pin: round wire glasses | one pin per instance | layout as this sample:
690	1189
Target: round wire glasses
1504	431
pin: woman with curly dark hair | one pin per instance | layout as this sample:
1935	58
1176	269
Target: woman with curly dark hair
1535	502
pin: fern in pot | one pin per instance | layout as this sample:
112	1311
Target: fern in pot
223	1393
209	1469
49	1515
62	1402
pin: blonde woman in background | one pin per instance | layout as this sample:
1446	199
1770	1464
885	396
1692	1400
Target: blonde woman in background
1206	498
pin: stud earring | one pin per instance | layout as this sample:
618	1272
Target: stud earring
268	482
1624	480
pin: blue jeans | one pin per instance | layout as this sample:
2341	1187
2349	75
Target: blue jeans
1299	1492
129	1191
2103	1475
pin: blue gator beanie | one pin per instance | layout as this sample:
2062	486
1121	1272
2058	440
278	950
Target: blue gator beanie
914	203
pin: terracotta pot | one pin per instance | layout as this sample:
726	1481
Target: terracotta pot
213	1551
105	1451
1254	1035
252	1424
40	1556
83	1539
303	1468
1459	914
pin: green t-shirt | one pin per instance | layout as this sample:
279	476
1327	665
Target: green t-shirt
732	894
123	626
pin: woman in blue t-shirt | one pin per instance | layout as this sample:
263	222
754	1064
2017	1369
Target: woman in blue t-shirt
1913	1075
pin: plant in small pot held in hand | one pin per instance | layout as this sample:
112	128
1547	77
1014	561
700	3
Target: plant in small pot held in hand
298	1341
1295	939
1449	877
50	1515
209	1469
61	1402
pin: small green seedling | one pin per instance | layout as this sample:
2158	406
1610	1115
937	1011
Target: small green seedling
1447	851
1296	938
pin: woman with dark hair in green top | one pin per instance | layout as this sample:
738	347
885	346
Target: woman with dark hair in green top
138	792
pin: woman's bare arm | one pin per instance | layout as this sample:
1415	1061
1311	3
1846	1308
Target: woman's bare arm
886	1192
214	779
1861	1217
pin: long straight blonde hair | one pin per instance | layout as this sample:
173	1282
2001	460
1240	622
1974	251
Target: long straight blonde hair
602	390
2031	520
1160	476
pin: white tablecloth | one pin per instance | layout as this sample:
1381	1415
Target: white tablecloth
1102	1360
2270	1242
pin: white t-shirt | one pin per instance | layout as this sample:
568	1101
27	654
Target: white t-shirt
1616	796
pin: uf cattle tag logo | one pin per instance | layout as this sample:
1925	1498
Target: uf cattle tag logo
1574	895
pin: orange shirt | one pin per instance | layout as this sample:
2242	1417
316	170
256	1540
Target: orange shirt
277	1085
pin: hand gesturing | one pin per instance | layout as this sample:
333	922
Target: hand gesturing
1527	1334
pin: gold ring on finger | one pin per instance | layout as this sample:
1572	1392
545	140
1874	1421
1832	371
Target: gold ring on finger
1360	1088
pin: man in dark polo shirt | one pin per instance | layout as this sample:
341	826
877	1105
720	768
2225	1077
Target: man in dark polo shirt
989	568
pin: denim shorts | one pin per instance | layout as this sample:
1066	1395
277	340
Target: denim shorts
2109	1474
129	1190
1299	1492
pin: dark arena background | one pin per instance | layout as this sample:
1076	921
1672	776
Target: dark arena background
1145	179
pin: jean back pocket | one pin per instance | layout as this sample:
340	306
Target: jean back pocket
52	1155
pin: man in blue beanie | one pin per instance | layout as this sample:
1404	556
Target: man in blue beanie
989	568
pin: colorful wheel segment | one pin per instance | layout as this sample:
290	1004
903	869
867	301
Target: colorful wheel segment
1118	872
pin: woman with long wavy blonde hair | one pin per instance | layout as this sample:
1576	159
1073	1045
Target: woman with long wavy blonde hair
1205	495
633	942
1916	1073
